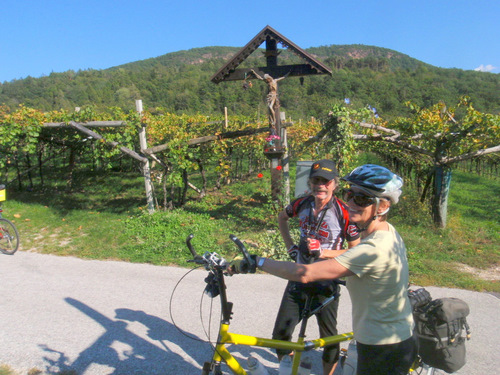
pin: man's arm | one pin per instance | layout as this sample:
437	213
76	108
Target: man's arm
285	229
353	243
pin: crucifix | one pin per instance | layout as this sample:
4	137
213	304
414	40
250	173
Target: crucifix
272	73
272	100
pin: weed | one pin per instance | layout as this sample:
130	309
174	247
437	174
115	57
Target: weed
6	370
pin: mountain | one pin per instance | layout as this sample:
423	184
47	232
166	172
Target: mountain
179	82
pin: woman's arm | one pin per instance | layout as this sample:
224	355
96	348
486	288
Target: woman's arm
325	270
329	254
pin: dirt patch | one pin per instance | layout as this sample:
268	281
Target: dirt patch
492	273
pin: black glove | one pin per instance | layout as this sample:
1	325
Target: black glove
293	252
314	247
241	265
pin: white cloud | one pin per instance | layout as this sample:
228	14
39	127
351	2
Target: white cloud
485	68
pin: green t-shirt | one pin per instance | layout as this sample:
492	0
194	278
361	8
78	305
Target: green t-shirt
381	310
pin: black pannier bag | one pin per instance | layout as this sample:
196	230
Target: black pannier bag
440	326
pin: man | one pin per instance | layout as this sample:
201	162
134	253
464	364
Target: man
324	227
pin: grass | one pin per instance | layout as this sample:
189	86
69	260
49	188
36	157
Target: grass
104	218
7	370
470	240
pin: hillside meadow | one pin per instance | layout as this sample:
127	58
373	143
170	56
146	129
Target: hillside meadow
179	82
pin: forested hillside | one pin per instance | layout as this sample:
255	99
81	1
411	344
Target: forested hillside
179	83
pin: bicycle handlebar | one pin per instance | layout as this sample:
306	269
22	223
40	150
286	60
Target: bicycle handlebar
240	245
196	258
217	265
211	260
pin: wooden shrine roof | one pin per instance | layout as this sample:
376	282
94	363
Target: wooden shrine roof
229	72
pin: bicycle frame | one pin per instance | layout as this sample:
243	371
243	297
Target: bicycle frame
222	354
217	267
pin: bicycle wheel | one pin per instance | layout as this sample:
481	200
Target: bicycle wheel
9	237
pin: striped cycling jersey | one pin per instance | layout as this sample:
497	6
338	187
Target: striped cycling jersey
331	227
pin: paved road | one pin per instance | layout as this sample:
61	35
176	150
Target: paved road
106	317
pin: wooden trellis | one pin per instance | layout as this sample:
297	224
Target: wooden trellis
84	128
146	153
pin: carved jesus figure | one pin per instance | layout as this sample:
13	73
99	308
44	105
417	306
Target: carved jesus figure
272	96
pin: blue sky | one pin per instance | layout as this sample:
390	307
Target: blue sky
39	37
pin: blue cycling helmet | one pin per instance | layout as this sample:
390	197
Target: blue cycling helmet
376	181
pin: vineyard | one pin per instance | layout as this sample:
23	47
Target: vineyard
33	143
195	153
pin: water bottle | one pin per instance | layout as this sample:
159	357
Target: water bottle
305	366
285	365
255	367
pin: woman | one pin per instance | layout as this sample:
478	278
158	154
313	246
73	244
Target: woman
377	271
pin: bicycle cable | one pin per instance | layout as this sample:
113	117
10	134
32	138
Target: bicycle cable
187	334
207	334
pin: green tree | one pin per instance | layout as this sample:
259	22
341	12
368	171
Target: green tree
437	137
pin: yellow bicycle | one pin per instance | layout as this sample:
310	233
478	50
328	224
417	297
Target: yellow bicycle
216	287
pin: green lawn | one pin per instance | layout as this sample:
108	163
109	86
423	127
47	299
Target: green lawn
104	218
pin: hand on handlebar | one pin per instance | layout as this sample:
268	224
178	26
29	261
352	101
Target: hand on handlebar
241	265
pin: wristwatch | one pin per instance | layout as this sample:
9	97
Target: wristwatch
261	261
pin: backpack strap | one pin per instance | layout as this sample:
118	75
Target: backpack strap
296	205
345	214
349	229
467	329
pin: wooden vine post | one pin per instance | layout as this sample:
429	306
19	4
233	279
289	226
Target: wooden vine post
271	74
145	165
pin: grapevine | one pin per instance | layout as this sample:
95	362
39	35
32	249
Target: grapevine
438	135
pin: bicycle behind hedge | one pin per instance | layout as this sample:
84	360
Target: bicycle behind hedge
216	287
9	236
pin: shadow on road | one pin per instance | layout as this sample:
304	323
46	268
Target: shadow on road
164	349
120	351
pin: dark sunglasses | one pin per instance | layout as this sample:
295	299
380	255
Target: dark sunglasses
359	199
319	181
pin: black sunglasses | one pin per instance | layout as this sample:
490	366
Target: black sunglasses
360	199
